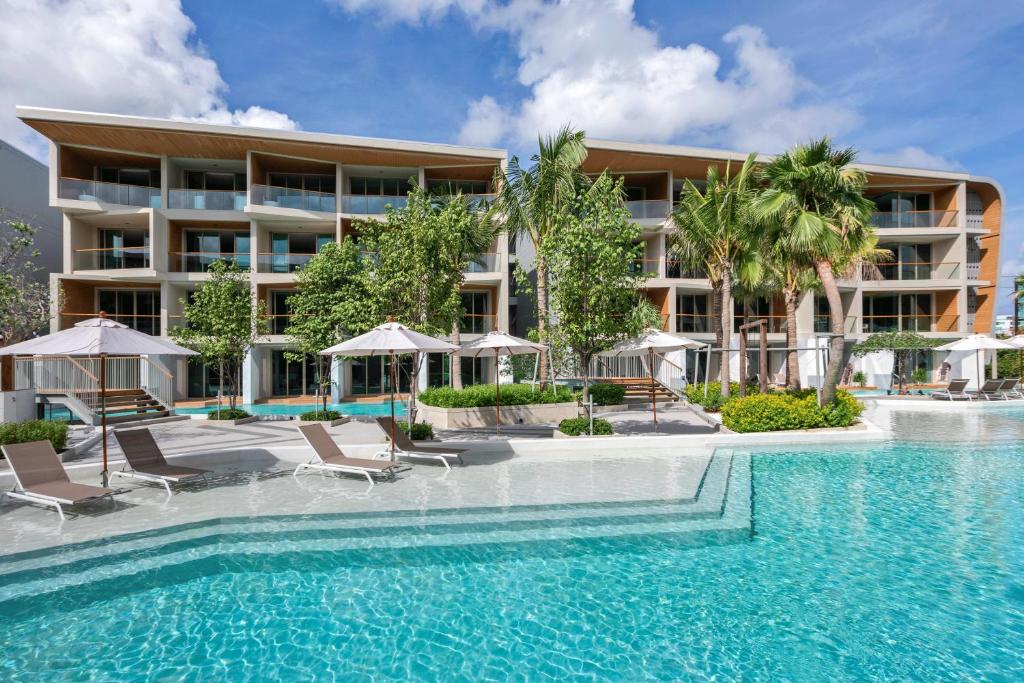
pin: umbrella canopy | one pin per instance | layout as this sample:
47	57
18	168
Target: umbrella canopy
94	337
498	344
976	342
389	338
652	340
1017	342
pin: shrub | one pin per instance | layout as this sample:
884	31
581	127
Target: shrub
227	414
797	410
607	394
421	431
859	378
54	431
919	376
320	415
575	426
481	395
714	400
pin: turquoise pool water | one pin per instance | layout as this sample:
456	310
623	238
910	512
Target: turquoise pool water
381	408
896	561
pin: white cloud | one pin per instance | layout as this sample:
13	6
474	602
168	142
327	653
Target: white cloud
911	157
590	63
118	56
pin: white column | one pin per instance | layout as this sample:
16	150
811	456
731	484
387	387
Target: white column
251	376
337	379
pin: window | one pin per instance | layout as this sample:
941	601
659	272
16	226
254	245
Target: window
292	378
372	374
447	187
124	249
380	187
146	177
751	310
215	180
910	262
306	182
204	381
278	310
138	309
635	194
692	313
291	251
822	319
203	247
897	312
476	318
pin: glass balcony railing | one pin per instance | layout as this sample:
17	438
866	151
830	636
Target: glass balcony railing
650	208
478	323
281	263
200	261
371	204
917	270
211	200
776	323
108	193
693	323
823	324
120	258
911	323
277	323
914	219
288	198
479	201
484	263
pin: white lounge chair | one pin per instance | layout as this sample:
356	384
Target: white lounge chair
329	458
40	477
404	447
955	390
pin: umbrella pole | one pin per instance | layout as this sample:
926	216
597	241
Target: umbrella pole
393	407
497	397
654	401
105	478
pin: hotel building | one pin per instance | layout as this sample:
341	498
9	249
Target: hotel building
942	228
148	204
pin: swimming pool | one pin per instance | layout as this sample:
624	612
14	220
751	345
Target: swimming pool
354	408
900	560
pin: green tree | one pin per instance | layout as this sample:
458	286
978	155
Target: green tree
222	323
902	345
596	294
533	200
330	304
715	233
817	197
24	300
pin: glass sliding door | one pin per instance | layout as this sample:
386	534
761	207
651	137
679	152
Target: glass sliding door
138	309
372	375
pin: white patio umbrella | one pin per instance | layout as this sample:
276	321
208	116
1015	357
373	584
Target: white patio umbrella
97	337
494	345
647	344
978	343
390	339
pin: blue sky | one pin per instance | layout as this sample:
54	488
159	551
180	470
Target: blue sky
934	84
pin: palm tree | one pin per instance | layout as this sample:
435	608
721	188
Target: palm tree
531	200
817	197
792	278
714	233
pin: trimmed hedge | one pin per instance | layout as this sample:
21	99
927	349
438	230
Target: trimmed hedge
481	395
421	431
54	431
320	415
713	402
575	426
607	394
798	410
227	414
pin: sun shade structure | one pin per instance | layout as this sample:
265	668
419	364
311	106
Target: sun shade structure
390	339
97	337
978	343
494	345
648	344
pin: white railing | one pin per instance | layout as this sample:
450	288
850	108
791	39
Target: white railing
665	371
80	376
158	383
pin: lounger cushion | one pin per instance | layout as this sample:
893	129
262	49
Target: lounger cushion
67	491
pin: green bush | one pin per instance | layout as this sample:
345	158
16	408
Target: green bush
54	431
421	431
859	378
607	394
320	415
575	426
227	414
919	376
481	395
714	400
797	410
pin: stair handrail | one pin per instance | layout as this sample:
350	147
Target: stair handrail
158	384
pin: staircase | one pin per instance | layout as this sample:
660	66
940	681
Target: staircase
639	389
128	405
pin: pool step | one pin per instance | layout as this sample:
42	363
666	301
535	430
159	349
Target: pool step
721	513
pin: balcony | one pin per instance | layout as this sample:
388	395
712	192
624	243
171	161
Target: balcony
277	323
287	198
146	323
914	219
119	258
911	323
108	193
210	200
371	204
914	270
281	263
479	201
823	324
484	263
776	323
200	261
650	208
693	323
478	323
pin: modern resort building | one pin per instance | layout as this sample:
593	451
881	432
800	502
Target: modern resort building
148	204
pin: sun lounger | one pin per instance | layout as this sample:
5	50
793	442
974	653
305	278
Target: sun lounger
991	390
404	447
40	477
1011	388
956	389
145	461
329	458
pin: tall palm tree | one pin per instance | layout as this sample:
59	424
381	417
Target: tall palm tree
817	197
793	278
714	233
531	200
